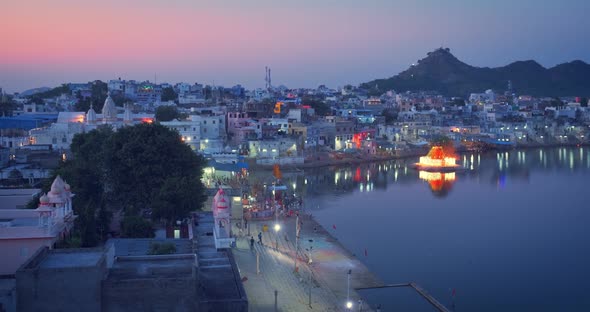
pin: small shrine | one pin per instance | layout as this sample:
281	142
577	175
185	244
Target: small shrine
221	207
437	159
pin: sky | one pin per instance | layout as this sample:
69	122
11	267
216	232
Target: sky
305	42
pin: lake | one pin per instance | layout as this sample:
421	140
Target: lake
510	232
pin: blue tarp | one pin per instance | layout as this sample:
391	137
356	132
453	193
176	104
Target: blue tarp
27	122
228	167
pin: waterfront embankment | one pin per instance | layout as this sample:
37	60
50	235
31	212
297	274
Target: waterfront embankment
327	161
273	264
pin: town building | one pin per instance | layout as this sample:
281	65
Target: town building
24	231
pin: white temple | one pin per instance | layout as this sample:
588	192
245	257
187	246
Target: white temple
221	207
61	133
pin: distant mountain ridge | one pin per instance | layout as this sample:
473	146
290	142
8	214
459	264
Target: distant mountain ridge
34	91
441	71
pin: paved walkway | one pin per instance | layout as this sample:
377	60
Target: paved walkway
329	268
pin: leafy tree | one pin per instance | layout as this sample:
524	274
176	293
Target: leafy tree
458	102
7	105
168	94
52	93
584	102
320	107
167	113
162	249
99	91
140	176
390	115
176	198
137	227
126	170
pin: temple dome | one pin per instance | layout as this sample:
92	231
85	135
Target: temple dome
109	111
44	199
57	186
91	115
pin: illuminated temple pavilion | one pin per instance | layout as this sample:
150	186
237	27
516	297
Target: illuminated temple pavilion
437	160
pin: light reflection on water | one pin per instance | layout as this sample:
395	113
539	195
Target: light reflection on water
508	234
377	176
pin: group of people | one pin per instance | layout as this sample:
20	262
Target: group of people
252	240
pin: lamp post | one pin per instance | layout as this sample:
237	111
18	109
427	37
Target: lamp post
297	229
310	272
277	229
348	302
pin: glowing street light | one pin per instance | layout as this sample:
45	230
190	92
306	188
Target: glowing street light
349	305
277	229
348	302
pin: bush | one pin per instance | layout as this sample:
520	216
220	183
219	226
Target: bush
162	249
137	227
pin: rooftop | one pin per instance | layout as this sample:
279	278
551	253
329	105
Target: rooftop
80	258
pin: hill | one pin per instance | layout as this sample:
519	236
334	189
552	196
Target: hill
441	71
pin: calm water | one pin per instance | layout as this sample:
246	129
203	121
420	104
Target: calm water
510	233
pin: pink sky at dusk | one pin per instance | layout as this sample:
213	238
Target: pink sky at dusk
46	43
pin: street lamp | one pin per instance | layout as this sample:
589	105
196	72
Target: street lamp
348	302
277	229
310	271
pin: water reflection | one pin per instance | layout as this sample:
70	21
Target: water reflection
440	182
496	169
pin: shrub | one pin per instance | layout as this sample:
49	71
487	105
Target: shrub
137	227
162	249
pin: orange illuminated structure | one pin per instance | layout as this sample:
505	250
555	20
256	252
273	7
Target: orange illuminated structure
440	182
437	159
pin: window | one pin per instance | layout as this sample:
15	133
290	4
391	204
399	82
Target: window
213	121
54	140
64	140
205	130
204	122
194	137
194	129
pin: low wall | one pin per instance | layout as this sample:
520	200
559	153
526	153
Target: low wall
150	294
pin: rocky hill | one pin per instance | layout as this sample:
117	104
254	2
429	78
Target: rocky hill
441	71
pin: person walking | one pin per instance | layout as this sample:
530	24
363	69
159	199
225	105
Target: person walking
251	242
260	238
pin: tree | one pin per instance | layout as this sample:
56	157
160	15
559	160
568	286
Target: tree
584	102
168	94
7	105
127	171
176	198
167	113
99	91
390	115
320	107
137	227
140	176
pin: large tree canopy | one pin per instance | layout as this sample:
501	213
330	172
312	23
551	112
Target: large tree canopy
167	113
133	169
143	162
